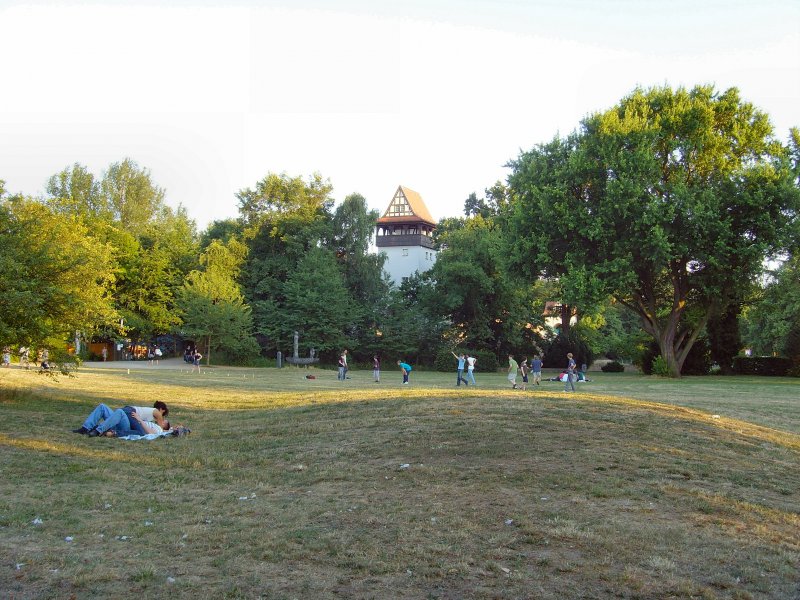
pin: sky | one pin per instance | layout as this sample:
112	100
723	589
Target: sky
435	95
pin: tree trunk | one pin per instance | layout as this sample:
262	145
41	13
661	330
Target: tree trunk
208	351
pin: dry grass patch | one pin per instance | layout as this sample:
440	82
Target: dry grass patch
327	489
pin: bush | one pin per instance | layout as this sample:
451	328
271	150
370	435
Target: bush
659	367
771	366
556	354
613	367
698	362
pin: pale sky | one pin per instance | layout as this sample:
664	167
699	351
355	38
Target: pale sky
435	95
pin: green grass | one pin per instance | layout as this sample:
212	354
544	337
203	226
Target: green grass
293	488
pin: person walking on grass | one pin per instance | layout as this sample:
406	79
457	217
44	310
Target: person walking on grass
523	369
406	368
513	367
536	367
376	368
460	369
570	381
471	360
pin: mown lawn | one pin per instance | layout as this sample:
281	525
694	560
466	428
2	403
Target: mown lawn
293	488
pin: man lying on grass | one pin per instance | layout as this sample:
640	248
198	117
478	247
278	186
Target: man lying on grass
129	420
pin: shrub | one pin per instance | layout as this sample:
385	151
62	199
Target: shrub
659	367
613	367
771	366
556	354
698	361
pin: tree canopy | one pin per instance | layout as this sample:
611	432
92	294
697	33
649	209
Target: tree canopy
667	202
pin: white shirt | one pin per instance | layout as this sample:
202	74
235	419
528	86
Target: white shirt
145	413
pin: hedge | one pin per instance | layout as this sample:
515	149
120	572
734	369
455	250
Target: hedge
773	366
613	367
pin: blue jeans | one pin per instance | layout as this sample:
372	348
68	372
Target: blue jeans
570	382
116	420
460	377
341	373
470	376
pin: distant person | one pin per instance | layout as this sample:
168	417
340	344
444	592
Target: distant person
44	359
523	369
157	354
7	356
513	367
376	368
460	368
104	353
406	370
471	360
342	365
196	358
24	357
536	368
571	367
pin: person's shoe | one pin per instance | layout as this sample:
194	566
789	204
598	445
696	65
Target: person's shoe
94	433
82	430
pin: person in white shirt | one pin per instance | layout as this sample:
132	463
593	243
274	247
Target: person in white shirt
124	421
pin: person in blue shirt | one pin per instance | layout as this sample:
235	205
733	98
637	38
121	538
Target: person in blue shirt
406	370
536	368
460	371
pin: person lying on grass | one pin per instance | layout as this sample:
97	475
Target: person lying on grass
129	420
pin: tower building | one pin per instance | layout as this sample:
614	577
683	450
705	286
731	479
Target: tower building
404	234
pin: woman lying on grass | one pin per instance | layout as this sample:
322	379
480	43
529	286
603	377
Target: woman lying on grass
129	420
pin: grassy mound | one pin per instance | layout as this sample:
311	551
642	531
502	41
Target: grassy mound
290	487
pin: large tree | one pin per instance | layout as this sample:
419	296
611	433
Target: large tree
55	278
284	218
154	246
665	202
212	305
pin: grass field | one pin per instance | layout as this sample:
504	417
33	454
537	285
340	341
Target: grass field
633	487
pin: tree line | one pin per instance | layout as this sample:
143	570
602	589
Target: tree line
650	228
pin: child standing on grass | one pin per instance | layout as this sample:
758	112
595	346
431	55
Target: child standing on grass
523	368
570	381
406	370
376	368
536	367
513	367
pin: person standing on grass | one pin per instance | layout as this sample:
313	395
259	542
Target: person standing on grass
376	368
406	370
196	358
460	369
536	367
342	366
523	368
570	381
471	360
513	367
24	357
7	356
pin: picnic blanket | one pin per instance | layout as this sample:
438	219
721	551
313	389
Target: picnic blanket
175	432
